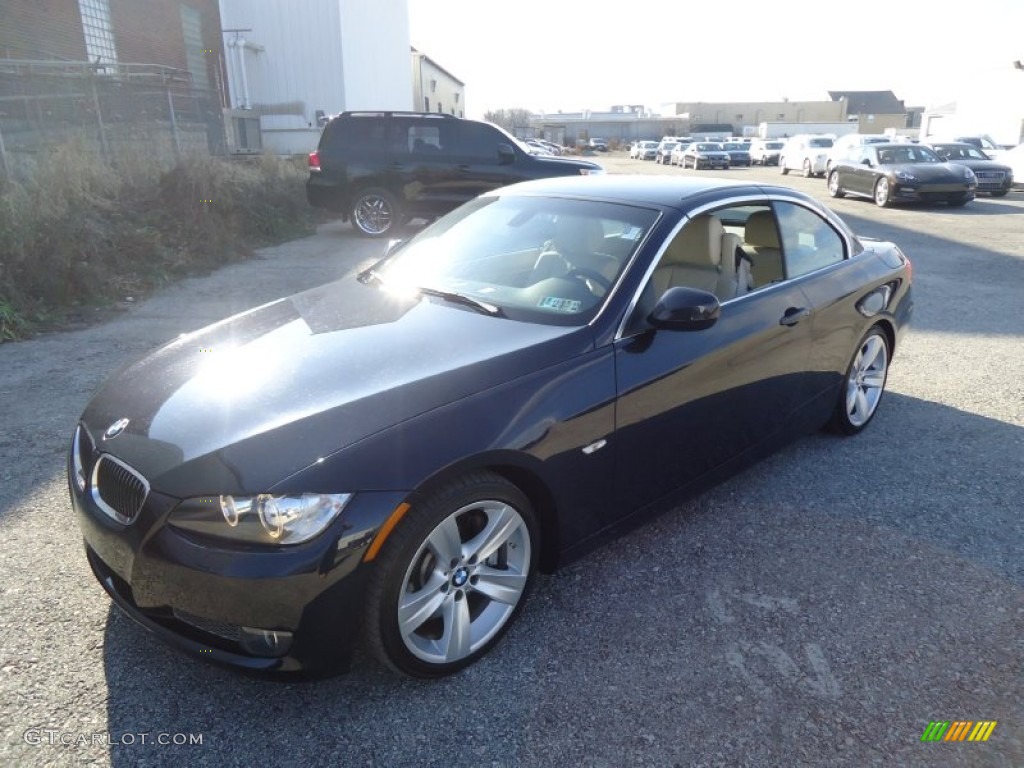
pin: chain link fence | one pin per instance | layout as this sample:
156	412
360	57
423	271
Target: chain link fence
131	109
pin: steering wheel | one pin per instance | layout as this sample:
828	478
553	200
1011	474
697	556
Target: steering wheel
591	275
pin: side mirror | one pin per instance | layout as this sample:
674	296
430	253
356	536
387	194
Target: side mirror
685	309
866	162
505	154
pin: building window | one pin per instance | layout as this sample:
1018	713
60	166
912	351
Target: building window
426	103
439	107
780	116
195	58
739	116
456	98
98	31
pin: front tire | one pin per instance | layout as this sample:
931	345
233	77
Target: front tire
375	213
808	172
452	577
833	185
864	385
882	194
782	166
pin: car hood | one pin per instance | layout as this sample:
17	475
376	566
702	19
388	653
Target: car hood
264	394
929	171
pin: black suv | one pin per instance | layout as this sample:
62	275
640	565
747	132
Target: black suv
381	168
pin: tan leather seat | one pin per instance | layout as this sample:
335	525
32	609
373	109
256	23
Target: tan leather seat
761	244
693	259
735	277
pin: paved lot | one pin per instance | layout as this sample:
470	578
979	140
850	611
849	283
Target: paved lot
819	609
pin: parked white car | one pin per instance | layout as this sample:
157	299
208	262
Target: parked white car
1015	159
766	151
806	153
644	150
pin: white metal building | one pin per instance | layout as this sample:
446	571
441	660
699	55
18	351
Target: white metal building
435	89
291	63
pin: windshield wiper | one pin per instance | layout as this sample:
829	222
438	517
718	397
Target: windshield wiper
461	298
455	298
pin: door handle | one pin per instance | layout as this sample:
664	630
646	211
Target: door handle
794	315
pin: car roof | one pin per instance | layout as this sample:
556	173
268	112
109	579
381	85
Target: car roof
665	191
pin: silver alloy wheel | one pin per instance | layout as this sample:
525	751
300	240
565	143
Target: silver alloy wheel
464	582
807	169
373	213
867	380
882	192
833	184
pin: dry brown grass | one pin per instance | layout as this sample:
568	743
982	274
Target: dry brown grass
78	232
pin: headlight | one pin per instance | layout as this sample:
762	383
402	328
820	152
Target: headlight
968	174
905	176
262	519
76	460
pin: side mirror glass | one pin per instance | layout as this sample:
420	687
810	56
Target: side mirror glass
685	309
866	162
506	154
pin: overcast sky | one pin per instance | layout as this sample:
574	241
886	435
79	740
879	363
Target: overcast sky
571	55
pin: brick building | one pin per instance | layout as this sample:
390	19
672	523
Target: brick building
181	35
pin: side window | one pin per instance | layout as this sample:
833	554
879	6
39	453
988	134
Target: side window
359	135
419	137
478	143
808	241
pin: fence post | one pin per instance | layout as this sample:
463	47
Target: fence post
104	148
174	125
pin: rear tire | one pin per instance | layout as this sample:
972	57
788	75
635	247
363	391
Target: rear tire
452	577
807	169
375	213
782	166
864	384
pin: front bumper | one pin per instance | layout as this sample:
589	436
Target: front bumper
205	596
913	191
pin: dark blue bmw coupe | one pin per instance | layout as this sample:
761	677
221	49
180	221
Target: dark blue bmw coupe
398	454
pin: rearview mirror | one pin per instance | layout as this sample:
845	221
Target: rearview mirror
505	154
685	309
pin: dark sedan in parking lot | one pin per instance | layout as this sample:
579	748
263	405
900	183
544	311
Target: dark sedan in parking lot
994	178
894	173
739	154
397	454
702	154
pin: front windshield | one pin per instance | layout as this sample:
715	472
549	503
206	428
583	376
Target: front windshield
734	147
708	148
538	259
774	145
669	146
906	153
820	142
649	144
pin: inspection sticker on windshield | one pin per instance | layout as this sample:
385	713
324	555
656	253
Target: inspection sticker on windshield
559	305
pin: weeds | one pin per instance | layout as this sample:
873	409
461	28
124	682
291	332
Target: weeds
76	231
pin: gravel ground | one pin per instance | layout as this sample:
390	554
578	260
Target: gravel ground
819	609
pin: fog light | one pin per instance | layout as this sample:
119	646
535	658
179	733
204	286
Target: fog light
265	642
